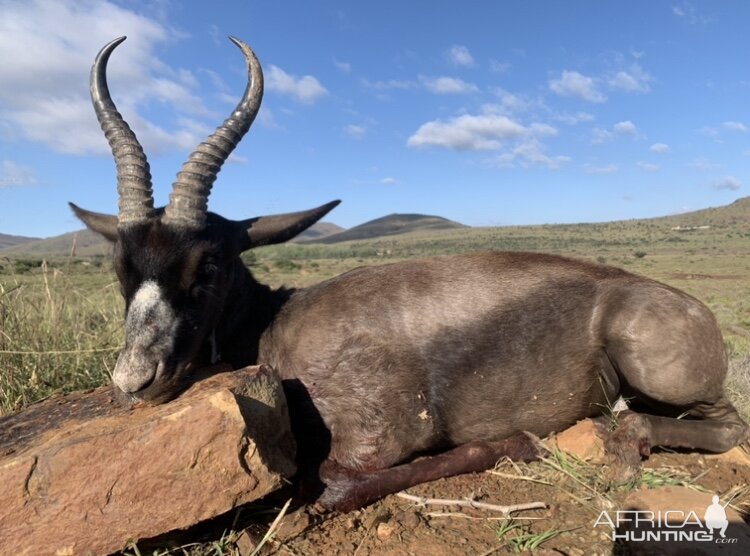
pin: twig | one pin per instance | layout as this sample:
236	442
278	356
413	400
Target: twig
519	477
460	515
491	551
272	529
467	502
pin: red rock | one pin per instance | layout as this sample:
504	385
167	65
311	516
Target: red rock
81	475
583	441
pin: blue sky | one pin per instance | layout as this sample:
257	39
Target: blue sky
494	113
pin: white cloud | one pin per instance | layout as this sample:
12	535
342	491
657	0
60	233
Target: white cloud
735	126
702	163
460	56
600	170
483	132
44	74
345	67
499	67
574	119
510	103
306	89
660	148
355	131
689	14
729	183
389	84
647	166
12	174
574	84
600	136
530	153
625	128
389	181
448	85
632	80
267	119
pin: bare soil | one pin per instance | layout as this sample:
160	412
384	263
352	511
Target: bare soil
394	526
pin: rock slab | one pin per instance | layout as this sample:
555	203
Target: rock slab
81	475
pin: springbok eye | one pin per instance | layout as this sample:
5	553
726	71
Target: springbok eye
208	270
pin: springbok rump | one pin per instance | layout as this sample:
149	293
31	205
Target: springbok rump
458	356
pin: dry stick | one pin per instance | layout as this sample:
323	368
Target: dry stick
467	502
518	477
272	529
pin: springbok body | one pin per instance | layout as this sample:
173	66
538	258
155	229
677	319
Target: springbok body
456	354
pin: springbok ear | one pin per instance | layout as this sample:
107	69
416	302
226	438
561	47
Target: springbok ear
278	228
104	224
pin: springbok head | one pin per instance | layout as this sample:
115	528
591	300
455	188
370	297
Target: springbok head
176	265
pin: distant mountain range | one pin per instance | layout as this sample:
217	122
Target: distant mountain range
9	241
89	244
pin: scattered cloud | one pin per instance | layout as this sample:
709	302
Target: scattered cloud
45	98
267	119
344	67
631	80
711	132
659	148
574	119
625	128
729	183
687	13
574	84
484	132
600	136
306	89
510	103
647	166
530	153
600	170
734	126
355	131
14	175
389	181
702	163
460	56
499	67
447	85
389	84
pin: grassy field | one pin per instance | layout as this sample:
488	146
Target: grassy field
61	319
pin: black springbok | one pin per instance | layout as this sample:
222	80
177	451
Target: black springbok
454	356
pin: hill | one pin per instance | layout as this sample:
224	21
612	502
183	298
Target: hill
9	241
390	225
735	214
318	231
87	244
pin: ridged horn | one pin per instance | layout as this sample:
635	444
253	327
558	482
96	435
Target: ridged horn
134	189
188	201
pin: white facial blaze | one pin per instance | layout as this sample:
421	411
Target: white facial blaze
150	329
